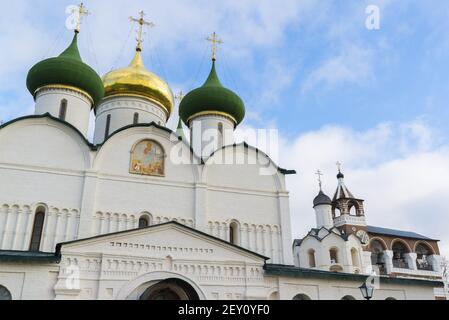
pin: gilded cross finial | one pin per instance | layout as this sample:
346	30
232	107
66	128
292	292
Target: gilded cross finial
80	11
179	96
215	42
320	174
339	164
142	22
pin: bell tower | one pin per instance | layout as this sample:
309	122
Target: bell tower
348	211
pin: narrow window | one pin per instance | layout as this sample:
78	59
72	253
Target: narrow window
38	228
108	127
355	257
312	262
136	118
220	135
334	256
233	233
63	110
143	222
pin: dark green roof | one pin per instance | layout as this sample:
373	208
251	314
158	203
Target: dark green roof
29	257
67	69
212	97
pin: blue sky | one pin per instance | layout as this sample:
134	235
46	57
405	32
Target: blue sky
375	100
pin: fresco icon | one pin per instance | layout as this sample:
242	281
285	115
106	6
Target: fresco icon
147	158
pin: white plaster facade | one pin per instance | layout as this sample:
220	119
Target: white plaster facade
88	191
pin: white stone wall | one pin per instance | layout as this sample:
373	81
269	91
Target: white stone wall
90	192
48	100
344	250
122	110
205	134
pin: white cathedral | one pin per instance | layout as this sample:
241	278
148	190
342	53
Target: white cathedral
142	213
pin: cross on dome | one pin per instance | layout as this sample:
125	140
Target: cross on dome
215	42
80	11
141	22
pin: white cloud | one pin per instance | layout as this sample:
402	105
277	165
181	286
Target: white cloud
353	64
395	168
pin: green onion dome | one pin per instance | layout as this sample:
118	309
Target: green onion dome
66	70
212	99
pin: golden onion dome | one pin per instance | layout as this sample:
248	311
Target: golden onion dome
138	81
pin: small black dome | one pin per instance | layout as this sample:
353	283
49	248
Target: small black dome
321	199
340	175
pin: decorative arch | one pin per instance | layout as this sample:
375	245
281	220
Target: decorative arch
380	241
423	252
134	289
234	232
301	296
147	158
170	289
276	176
425	244
395	241
5	294
400	248
145	220
354	205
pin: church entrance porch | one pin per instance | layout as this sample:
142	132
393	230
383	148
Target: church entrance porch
170	289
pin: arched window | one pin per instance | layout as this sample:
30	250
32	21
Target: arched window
336	212
63	109
348	297
144	222
148	158
399	252
234	233
302	297
312	262
136	118
390	299
38	228
377	255
333	253
352	209
5	295
423	252
355	257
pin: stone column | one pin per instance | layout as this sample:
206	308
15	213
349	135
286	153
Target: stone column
200	207
4	245
87	205
410	258
29	230
286	239
435	262
388	260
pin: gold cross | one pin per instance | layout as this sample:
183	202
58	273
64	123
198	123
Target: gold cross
215	42
141	21
319	174
339	164
179	96
80	11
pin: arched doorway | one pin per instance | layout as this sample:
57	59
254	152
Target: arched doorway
302	297
4	294
170	289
